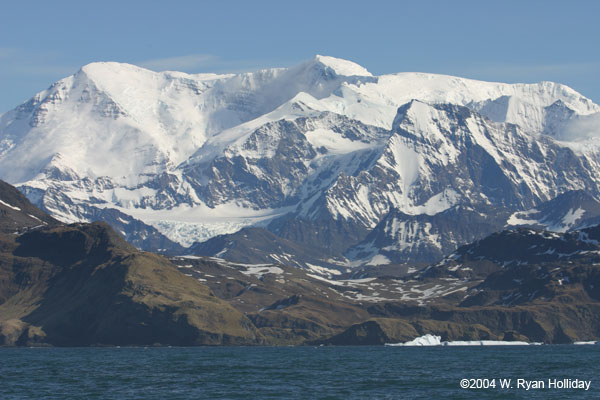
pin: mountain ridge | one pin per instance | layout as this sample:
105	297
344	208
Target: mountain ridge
323	143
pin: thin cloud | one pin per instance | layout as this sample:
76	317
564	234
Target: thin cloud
585	127
181	63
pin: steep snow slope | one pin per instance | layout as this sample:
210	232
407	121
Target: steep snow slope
323	141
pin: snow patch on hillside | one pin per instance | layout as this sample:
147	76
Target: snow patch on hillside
9	206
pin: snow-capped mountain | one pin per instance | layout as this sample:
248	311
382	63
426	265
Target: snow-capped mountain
359	168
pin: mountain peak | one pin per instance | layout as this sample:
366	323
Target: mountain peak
103	67
341	66
115	75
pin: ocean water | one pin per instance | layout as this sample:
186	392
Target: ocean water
297	372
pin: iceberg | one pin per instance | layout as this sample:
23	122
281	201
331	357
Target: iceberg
425	340
433	340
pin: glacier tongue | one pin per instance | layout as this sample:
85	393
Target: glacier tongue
323	145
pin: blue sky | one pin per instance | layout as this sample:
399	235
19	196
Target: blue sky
508	41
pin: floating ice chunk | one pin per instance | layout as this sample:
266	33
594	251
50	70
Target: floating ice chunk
433	340
425	340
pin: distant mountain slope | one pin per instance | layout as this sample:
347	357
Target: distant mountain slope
17	214
570	211
320	154
521	246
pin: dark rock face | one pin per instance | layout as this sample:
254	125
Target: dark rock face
257	245
325	235
402	238
232	178
68	246
274	163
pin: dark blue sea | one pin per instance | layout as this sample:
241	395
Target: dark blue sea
299	372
